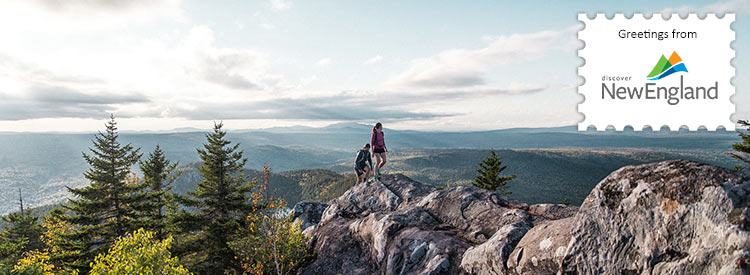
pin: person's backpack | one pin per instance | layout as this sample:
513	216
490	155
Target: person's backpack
356	156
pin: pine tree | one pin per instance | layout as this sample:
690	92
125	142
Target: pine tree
108	207
20	236
489	175
221	203
742	150
158	177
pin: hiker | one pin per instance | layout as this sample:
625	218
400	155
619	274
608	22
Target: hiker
361	167
378	147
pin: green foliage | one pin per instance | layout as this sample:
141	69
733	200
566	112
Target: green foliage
489	175
218	208
108	207
158	175
138	253
62	251
21	236
742	149
53	258
274	243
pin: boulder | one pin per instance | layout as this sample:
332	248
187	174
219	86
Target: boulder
491	256
394	225
542	249
673	217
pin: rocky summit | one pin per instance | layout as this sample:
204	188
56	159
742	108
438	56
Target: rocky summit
673	217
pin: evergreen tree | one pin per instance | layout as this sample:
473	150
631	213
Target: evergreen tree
20	236
220	205
157	174
489	175
742	150
108	207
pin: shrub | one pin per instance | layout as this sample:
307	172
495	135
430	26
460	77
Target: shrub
138	253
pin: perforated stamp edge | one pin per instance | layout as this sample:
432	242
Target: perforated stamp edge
587	123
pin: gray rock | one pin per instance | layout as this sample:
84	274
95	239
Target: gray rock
673	217
398	226
545	212
476	214
491	256
542	249
308	213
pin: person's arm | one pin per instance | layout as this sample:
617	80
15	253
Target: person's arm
372	140
369	159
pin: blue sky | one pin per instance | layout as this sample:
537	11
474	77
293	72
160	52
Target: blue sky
424	65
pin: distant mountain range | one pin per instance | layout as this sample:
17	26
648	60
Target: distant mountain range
546	159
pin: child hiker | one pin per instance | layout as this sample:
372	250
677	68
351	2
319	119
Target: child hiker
361	167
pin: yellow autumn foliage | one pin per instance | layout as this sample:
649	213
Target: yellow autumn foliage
138	253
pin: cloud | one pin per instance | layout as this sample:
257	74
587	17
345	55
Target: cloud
324	61
735	6
64	95
267	26
373	60
342	106
239	69
345	106
281	5
82	86
59	101
56	16
462	68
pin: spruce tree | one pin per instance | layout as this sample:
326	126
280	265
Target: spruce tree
158	177
489	175
220	205
108	207
21	235
742	150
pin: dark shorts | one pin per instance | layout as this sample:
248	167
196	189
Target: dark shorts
378	150
360	169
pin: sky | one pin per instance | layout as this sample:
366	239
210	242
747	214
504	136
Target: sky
418	65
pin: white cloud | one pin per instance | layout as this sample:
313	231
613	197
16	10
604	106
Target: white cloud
240	25
174	76
324	61
281	5
461	68
734	6
54	16
373	60
267	26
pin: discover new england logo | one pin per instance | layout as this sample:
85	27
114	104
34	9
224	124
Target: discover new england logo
670	91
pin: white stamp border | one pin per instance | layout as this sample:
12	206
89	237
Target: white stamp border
582	124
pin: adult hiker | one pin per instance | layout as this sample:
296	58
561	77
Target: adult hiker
378	147
361	167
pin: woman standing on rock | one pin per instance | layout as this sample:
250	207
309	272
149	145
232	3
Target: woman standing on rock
378	147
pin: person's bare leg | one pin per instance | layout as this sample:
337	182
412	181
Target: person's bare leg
357	175
383	160
367	173
378	159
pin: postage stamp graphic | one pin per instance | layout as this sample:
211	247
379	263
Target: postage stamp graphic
650	71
